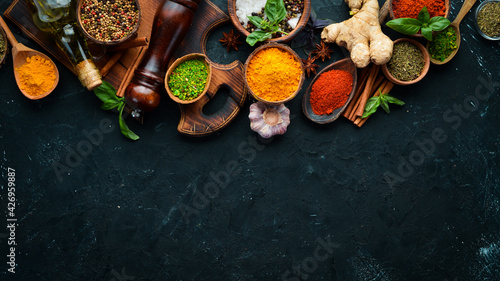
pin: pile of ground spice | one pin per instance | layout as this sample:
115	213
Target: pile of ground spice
411	8
273	74
109	20
36	76
330	91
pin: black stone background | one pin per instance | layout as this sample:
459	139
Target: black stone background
313	203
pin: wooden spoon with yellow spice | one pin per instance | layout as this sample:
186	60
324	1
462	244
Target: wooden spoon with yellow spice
40	77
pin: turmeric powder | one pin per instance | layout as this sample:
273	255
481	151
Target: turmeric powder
36	76
273	74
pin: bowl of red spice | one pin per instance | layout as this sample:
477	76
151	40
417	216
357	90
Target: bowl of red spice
274	73
297	15
409	63
411	8
109	22
330	92
188	78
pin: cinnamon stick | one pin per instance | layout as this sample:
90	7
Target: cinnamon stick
362	81
111	62
385	89
364	96
355	101
136	42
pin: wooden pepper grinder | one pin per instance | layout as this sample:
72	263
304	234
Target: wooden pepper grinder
171	23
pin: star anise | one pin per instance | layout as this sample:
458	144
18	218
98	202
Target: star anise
322	51
230	40
309	65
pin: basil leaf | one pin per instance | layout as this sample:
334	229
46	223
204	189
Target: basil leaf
275	10
385	105
423	15
406	26
257	21
371	106
123	126
256	36
393	100
106	92
439	23
427	33
110	105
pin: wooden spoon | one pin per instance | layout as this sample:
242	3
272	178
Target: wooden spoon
344	64
467	5
19	55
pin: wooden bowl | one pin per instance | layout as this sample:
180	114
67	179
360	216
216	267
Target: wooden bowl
286	49
344	64
424	71
131	35
193	56
4	38
418	35
231	4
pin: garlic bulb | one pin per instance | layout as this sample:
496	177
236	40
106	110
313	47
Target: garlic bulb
269	120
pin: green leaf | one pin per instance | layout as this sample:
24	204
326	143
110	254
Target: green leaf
257	21
439	23
110	105
371	106
275	10
427	33
384	104
406	26
256	36
423	15
393	100
106	92
123	126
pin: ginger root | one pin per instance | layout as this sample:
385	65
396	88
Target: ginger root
361	34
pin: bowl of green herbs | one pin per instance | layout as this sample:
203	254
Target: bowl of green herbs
188	78
409	62
3	46
488	19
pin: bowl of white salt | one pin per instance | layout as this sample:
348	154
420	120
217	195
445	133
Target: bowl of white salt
297	15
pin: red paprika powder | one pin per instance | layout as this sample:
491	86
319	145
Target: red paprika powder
330	91
411	8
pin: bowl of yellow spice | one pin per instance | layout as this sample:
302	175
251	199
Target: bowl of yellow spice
274	73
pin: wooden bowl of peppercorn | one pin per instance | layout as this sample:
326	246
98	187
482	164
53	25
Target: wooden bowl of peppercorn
109	22
293	7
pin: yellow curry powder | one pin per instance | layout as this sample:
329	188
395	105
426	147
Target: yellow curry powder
273	74
36	76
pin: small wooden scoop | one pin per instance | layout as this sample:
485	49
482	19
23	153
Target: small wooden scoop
19	55
466	6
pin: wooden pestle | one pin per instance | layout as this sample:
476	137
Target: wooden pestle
171	23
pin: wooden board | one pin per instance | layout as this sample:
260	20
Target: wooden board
207	17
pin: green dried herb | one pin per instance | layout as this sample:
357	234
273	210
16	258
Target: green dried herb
407	61
2	45
488	19
443	44
188	79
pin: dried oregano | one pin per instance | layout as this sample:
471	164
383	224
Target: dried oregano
407	61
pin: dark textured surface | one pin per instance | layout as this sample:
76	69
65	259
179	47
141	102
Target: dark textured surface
312	203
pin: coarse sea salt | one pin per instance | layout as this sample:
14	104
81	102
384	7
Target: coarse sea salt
245	8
